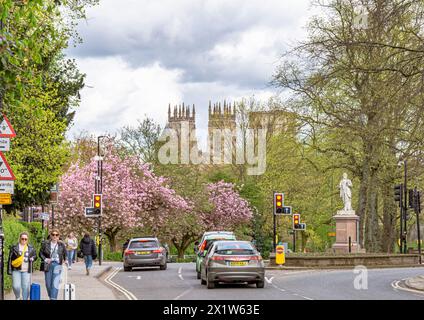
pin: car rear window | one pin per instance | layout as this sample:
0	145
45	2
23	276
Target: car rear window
142	244
236	248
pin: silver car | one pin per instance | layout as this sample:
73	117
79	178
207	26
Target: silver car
144	252
233	261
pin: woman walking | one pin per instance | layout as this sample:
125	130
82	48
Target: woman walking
71	243
53	254
89	251
20	262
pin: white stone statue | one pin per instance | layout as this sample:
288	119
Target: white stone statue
346	193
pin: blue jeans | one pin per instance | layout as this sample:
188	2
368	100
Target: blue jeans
52	278
88	261
21	281
70	254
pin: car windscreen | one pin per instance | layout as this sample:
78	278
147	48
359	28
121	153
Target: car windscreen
234	248
143	244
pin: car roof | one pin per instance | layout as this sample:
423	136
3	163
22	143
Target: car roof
144	238
211	232
232	241
218	235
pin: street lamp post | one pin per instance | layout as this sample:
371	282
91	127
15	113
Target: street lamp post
98	189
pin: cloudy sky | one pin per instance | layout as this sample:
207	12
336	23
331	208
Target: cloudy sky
141	55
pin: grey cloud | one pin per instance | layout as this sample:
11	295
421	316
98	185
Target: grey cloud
185	39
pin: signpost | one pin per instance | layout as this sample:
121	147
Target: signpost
91	212
5	198
6	182
4	144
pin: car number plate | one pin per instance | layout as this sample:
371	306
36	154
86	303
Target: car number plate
238	263
143	252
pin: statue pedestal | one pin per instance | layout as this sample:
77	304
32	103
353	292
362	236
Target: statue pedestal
347	225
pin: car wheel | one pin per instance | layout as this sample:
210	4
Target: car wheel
163	267
209	284
260	284
127	268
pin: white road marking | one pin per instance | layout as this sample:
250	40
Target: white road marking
109	281
179	273
396	286
269	280
183	294
138	277
295	294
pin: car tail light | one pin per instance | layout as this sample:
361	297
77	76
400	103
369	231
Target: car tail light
258	258
157	251
217	258
128	252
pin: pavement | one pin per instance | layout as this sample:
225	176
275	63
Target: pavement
89	287
179	282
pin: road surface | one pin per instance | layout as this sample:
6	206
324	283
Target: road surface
179	282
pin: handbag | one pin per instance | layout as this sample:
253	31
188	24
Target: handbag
19	260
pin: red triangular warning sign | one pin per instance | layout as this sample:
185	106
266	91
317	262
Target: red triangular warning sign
6	172
6	129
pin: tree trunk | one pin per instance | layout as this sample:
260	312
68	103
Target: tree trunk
389	219
372	233
362	202
111	235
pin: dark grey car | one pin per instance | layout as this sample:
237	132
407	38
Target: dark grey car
233	261
144	252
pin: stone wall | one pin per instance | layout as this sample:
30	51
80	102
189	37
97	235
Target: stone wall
349	260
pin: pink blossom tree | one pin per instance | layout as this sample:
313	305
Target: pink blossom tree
133	197
218	206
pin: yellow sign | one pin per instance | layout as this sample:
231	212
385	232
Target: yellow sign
331	234
280	257
5	198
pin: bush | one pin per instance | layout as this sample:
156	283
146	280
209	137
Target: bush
112	256
12	227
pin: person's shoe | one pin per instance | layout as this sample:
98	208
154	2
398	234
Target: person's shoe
88	271
69	268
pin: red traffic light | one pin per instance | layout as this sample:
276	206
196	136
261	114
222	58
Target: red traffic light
296	220
278	203
97	202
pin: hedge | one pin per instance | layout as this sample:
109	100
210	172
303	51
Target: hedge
12	227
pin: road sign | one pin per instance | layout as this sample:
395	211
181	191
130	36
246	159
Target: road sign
91	212
45	216
7	186
5	170
55	188
286	210
4	144
6	129
5	198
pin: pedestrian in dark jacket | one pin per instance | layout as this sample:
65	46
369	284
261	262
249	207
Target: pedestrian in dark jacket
53	255
89	251
20	266
124	246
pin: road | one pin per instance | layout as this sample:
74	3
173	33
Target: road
179	282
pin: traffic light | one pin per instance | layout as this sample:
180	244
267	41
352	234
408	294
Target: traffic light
278	203
398	189
97	204
296	221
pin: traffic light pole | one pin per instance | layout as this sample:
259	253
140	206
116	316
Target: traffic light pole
294	240
418	207
405	210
